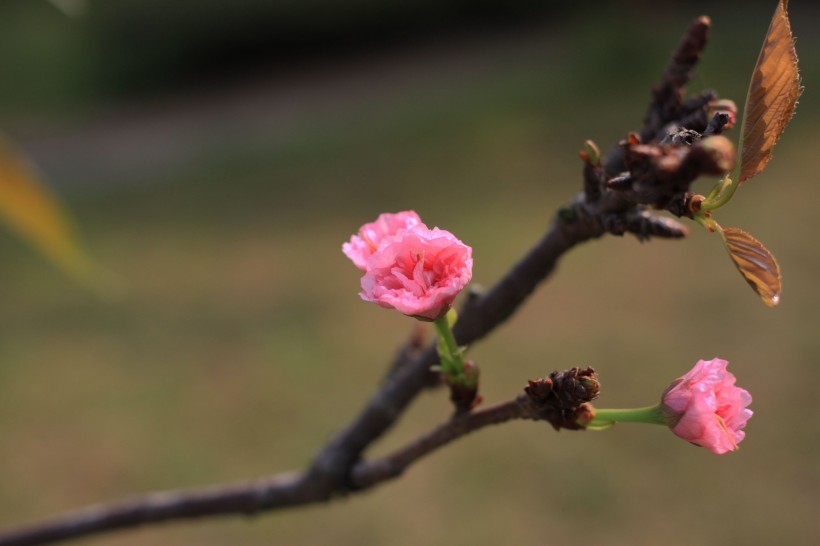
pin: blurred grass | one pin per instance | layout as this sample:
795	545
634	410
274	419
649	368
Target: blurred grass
241	345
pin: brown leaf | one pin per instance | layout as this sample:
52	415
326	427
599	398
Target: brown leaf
30	208
772	95
755	263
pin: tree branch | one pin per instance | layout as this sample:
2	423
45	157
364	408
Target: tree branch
480	316
338	468
287	490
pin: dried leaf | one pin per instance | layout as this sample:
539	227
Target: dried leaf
30	208
755	263
772	95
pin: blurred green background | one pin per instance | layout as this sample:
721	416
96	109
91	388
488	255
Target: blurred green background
216	154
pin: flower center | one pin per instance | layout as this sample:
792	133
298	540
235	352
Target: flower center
726	430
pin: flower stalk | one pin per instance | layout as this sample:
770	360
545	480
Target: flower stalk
608	417
451	356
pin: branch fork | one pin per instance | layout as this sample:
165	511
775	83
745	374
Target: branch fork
658	175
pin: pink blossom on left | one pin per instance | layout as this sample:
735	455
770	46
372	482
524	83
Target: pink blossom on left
418	272
408	267
370	236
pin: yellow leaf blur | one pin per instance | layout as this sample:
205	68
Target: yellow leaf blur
772	95
29	207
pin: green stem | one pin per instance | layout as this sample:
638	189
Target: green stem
650	414
726	193
707	222
451	363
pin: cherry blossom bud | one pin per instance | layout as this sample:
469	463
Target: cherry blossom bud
706	408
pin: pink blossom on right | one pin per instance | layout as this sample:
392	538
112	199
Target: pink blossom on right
371	236
706	408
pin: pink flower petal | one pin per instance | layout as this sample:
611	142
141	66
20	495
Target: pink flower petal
417	271
372	235
706	408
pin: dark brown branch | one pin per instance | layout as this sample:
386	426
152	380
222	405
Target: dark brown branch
288	490
667	103
239	498
585	219
370	473
479	317
337	468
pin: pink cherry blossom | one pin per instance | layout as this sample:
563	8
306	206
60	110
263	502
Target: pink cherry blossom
706	408
371	235
418	271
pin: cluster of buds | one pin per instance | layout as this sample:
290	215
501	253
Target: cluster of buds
661	175
562	399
